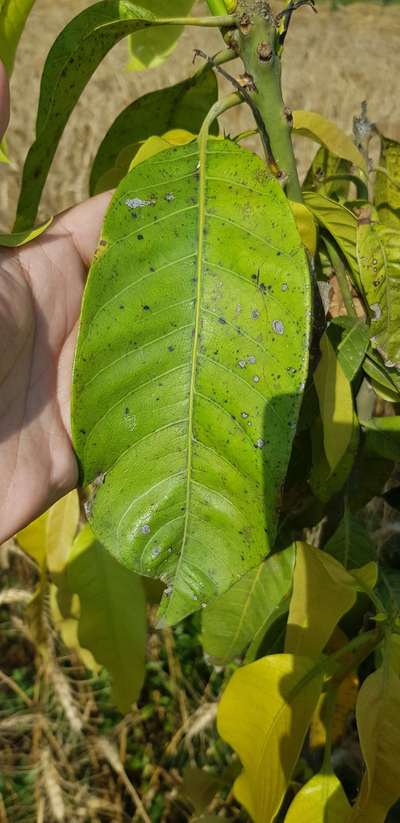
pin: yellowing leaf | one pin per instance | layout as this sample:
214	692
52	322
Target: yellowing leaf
13	16
305	224
155	145
313	125
321	800
335	403
378	721
68	629
264	714
49	538
20	238
318	579
339	222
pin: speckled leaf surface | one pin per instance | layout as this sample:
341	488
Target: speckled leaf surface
387	194
72	59
190	367
182	106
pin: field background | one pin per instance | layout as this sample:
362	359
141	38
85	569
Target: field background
333	61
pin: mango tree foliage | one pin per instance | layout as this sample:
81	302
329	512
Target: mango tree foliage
328	174
264	714
310	626
339	222
20	238
321	800
112	615
351	543
148	49
349	337
378	250
240	618
378	722
190	368
72	59
13	16
335	403
49	538
314	125
382	436
387	193
182	106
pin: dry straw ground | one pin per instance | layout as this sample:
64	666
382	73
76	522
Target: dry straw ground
334	60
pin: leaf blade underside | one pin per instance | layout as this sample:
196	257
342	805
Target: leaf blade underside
190	368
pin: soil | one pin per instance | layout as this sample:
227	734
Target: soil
333	61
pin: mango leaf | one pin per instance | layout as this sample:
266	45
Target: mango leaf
378	722
313	125
378	250
328	175
339	222
384	380
155	145
13	16
325	482
199	787
68	628
349	337
244	613
20	238
321	800
182	106
318	577
72	59
351	543
48	539
186	392
112	623
382	436
4	158
387	182
264	714
148	49
306	225
335	403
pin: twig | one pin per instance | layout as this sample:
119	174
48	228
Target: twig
15	688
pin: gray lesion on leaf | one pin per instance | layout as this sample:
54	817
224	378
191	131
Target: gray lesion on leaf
377	311
137	203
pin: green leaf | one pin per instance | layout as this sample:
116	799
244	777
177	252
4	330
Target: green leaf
349	337
335	403
13	16
383	436
387	182
328	175
199	787
325	482
72	59
321	800
23	237
384	380
313	125
182	106
245	612
186	391
378	250
112	622
339	222
306	225
318	578
4	158
148	49
264	714
378	722
351	543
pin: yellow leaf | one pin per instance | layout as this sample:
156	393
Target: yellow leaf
306	225
335	403
20	238
155	145
68	629
321	800
264	714
323	591
313	125
378	721
49	538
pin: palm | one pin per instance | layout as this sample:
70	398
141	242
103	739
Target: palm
41	288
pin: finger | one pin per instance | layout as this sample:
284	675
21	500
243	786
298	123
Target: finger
4	100
83	224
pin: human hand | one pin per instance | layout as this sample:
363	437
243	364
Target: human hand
41	286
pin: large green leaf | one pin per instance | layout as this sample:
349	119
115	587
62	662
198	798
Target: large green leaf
244	613
339	222
183	106
387	191
72	59
13	16
349	337
190	368
382	436
378	250
351	543
150	48
112	623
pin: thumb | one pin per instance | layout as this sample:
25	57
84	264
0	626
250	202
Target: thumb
4	100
